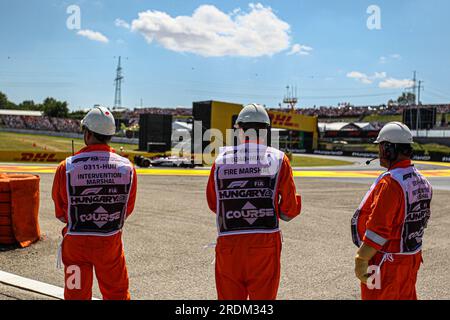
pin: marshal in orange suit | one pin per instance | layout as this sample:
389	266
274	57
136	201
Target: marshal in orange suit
250	188
389	225
94	191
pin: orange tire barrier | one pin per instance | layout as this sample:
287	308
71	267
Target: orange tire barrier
7	231
19	208
5	209
5	221
5	197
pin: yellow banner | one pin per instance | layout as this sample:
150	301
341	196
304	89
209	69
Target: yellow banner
293	121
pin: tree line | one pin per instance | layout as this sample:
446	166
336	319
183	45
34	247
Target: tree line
50	106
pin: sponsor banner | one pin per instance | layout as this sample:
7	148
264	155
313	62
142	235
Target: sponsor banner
352	134
57	157
433	156
328	153
364	154
421	158
33	156
292	121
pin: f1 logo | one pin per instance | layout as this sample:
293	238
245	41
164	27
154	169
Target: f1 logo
91	191
237	184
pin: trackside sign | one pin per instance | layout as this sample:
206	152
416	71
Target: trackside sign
33	157
53	157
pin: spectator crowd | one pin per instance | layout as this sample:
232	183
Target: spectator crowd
359	111
45	123
40	123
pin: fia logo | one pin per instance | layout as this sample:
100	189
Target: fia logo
113	191
259	184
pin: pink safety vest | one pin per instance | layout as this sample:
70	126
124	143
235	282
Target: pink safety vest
98	187
418	193
246	180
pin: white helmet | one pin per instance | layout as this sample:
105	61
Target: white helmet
395	132
100	120
253	113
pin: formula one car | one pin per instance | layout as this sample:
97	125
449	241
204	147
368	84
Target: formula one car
172	161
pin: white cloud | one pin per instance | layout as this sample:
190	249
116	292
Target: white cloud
364	78
394	56
212	33
385	83
300	50
235	11
392	83
122	24
93	35
356	75
380	75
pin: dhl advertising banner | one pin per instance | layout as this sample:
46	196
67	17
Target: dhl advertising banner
222	115
33	156
56	157
293	121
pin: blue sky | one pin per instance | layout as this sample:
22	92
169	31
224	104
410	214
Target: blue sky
235	51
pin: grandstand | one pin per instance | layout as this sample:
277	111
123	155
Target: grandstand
361	111
34	120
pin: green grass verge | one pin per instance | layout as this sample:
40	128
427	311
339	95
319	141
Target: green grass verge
10	141
305	161
382	118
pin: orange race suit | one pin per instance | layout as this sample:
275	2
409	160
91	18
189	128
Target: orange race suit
392	218
248	198
94	192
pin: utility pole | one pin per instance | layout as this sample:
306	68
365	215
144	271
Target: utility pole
118	80
418	108
415	97
291	99
419	90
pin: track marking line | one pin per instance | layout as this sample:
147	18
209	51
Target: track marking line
205	172
441	164
39	287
